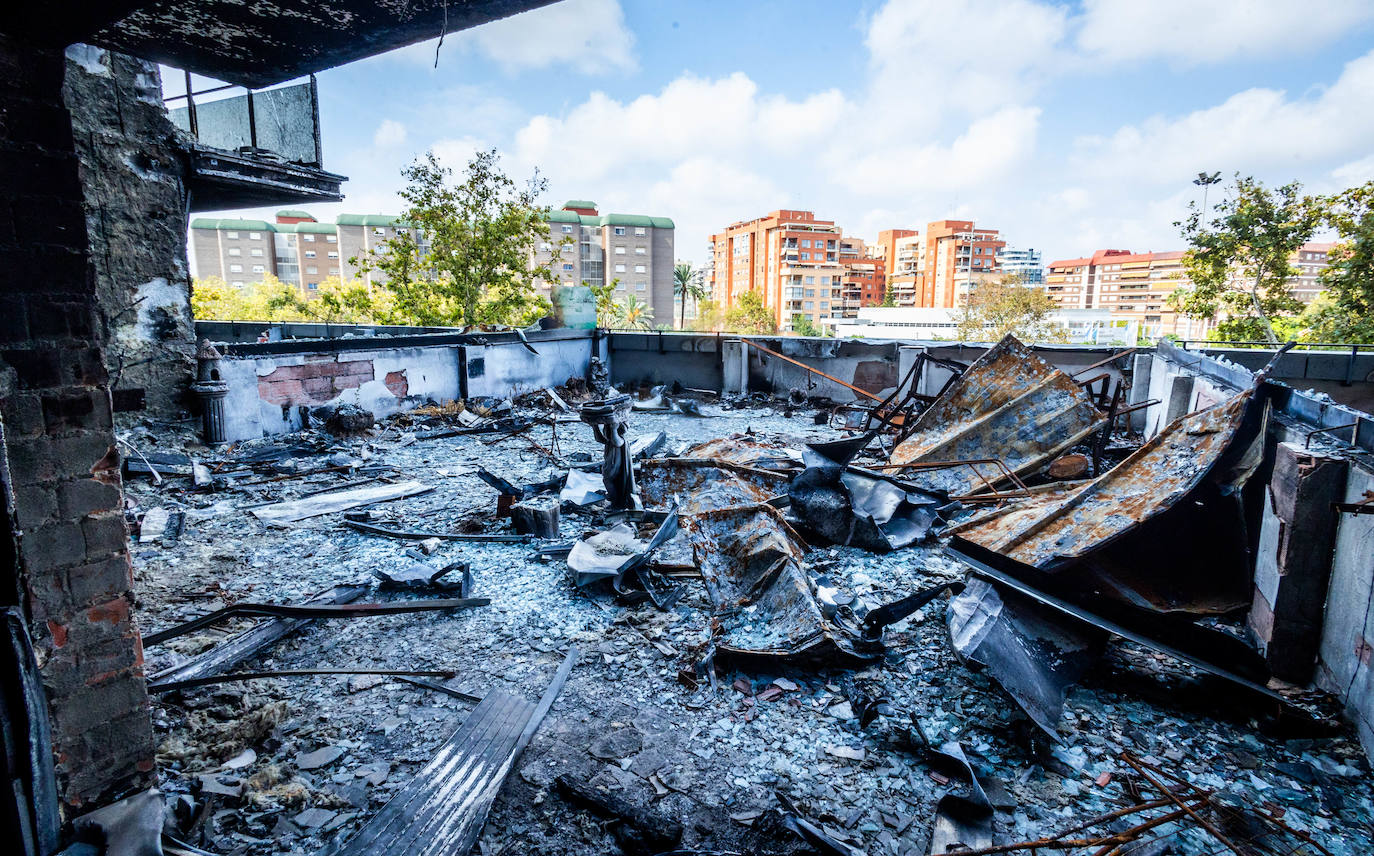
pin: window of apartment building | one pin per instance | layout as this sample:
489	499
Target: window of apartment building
332	239
379	232
238	283
640	231
811	292
620	251
808	304
641	286
233	236
619	268
308	238
567	267
806	242
310	254
620	230
333	254
236	268
312	285
333	271
809	280
639	268
255	236
639	251
256	251
258	269
567	230
806	257
235	251
546	246
567	248
825	280
312	269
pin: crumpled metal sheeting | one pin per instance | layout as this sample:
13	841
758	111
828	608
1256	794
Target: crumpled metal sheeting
963	821
751	565
1056	525
1034	653
852	509
702	484
1011	405
744	450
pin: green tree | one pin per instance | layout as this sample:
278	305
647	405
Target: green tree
889	298
749	315
1239	261
1344	311
994	308
466	257
803	326
610	312
710	316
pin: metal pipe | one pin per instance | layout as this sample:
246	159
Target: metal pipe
865	393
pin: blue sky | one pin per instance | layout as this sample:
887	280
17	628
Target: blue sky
1070	127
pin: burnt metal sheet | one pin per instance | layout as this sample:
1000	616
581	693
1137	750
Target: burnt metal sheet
36	825
442	810
963	820
851	508
702	484
1011	405
619	556
1214	660
746	451
1033	652
763	602
1163	531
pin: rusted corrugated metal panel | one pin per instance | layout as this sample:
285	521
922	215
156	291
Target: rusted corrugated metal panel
1011	405
701	484
1059	525
746	451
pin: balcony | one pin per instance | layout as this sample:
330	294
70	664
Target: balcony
253	149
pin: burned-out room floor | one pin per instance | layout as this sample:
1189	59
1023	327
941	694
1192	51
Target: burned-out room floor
625	721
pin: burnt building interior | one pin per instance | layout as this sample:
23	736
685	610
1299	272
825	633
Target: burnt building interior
294	589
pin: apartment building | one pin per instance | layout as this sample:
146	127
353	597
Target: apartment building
295	248
1130	285
887	250
937	268
1310	260
1024	264
791	258
635	251
583	246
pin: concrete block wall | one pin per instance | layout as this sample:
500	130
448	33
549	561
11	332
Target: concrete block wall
268	391
73	577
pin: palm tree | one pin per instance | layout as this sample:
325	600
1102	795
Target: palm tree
682	286
637	313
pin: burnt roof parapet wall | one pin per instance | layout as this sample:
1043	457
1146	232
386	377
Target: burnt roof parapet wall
73	580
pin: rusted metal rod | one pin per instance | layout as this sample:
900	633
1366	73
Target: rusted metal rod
1100	363
865	393
1201	821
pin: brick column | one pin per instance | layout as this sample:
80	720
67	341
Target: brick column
59	444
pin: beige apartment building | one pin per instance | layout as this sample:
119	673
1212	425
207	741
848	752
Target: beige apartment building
1138	285
634	251
583	246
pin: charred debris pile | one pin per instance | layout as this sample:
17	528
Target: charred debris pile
750	630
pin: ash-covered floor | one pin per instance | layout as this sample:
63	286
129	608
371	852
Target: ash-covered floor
328	751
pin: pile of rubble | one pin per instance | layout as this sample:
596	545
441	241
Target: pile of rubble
740	634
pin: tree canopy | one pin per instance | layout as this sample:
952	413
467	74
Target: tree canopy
1238	260
749	315
994	308
1344	311
465	254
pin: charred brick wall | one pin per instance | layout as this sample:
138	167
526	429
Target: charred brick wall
133	170
62	467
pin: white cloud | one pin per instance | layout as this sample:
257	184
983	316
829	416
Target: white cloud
588	35
389	133
1208	31
1251	131
931	56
